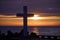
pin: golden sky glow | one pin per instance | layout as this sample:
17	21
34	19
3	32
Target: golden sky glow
35	17
36	20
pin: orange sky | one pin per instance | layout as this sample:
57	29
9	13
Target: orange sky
43	21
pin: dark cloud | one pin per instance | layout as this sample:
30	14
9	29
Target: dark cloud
44	6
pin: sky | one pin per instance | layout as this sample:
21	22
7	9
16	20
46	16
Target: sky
48	9
51	7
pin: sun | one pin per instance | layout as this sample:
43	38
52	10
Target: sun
35	17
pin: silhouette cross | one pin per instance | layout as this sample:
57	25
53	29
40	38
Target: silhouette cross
25	15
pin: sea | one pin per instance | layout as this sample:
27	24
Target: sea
46	30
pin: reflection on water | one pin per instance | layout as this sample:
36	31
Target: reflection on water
37	30
45	30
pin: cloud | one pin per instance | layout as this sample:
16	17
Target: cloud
14	6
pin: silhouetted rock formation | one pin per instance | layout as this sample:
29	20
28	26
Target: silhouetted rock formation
32	36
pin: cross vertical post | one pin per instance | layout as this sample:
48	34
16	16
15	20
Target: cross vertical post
25	21
24	15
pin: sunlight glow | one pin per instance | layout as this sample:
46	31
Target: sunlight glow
35	17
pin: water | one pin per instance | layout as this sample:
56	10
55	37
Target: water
38	30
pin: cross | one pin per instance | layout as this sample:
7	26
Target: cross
25	15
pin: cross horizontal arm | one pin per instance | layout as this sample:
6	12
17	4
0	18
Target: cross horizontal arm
21	15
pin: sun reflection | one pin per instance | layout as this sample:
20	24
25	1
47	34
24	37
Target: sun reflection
35	30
